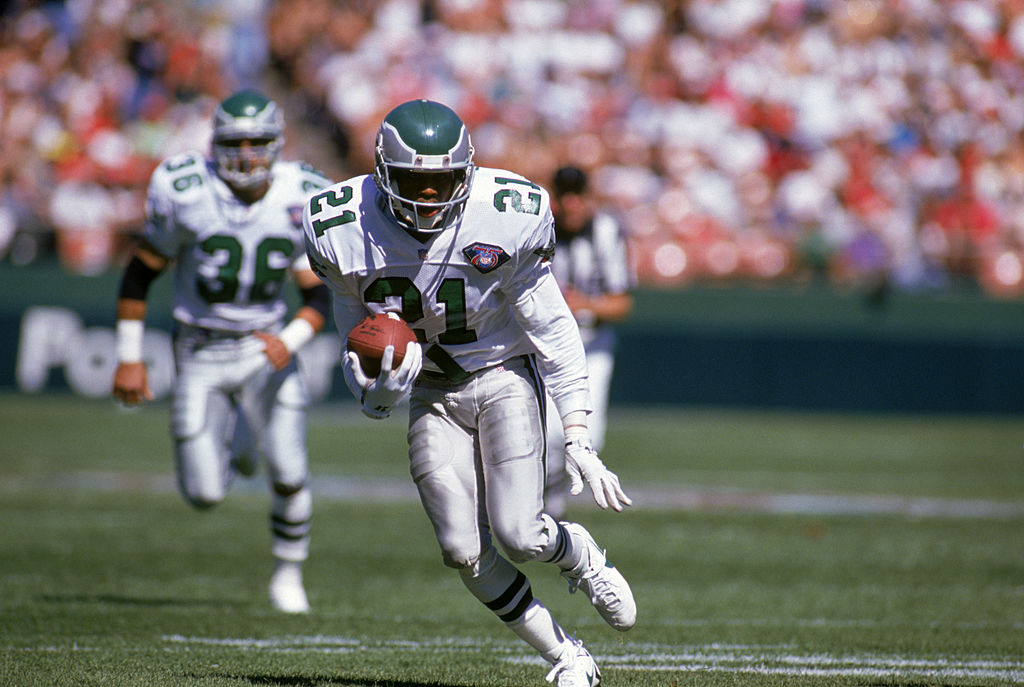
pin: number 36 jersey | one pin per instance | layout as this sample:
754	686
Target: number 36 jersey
232	258
478	293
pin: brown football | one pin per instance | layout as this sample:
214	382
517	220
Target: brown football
369	338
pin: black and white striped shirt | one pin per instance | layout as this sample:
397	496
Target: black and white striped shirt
594	261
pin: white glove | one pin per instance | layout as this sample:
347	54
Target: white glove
379	395
583	465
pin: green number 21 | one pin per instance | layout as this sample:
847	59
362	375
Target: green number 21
451	292
334	200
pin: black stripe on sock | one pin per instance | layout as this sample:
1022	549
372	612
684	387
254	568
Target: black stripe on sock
288	529
509	594
281	534
278	520
520	608
563	545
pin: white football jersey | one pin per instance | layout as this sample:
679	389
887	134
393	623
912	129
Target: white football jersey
232	259
478	293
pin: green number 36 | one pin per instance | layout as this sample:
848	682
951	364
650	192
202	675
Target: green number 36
267	280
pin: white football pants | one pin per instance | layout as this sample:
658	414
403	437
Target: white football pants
225	386
476	453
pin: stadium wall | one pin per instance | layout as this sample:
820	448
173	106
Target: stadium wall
795	347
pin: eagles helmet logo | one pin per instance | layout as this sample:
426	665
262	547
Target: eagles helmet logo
420	140
485	257
248	117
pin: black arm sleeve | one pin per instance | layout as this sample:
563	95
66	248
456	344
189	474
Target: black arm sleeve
318	298
136	280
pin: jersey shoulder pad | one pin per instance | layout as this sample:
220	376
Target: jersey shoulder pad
354	194
176	165
516	210
335	215
311	172
301	174
510	194
335	224
493	177
180	176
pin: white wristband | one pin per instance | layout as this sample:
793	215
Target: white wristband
129	340
577	433
297	334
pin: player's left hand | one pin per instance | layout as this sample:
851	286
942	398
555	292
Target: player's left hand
382	393
277	353
583	465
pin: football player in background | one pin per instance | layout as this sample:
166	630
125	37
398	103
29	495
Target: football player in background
231	224
593	270
462	254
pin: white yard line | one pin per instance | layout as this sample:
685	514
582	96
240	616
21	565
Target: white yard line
656	658
722	658
825	504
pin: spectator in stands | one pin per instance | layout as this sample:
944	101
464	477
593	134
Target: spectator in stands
737	108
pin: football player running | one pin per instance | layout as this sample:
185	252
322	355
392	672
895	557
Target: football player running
230	224
461	253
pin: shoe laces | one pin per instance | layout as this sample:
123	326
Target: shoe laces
598	585
568	671
602	590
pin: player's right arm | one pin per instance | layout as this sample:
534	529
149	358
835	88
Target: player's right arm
131	386
161	238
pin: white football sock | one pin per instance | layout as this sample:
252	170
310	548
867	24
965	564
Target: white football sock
561	549
538	628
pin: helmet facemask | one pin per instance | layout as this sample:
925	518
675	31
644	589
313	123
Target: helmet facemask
424	165
245	163
425	200
248	135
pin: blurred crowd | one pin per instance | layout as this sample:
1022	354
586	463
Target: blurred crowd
855	142
93	94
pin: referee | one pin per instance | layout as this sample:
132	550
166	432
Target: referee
593	269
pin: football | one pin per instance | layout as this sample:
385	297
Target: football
369	338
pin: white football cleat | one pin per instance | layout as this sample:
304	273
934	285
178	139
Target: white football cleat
286	591
576	668
604	585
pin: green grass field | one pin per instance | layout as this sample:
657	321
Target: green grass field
763	549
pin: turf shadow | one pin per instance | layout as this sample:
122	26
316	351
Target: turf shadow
301	681
923	683
121	600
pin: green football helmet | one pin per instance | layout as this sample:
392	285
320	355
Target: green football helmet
424	165
247	116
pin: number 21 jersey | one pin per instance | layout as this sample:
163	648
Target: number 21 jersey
477	293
